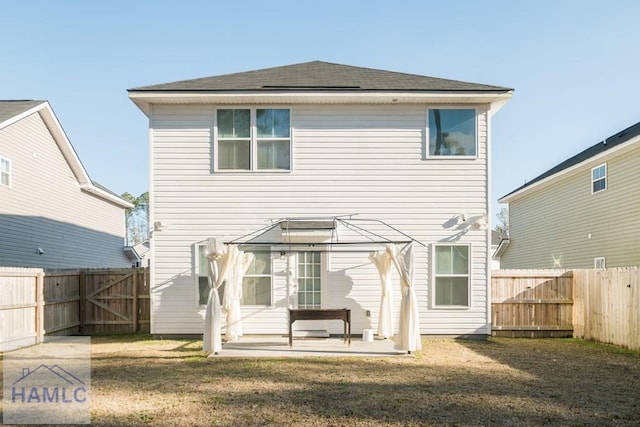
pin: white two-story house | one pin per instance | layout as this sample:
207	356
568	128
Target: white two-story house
312	167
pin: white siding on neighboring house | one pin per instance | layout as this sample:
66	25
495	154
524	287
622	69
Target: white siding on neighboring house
365	160
563	225
45	207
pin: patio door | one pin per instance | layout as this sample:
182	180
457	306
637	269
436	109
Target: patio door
310	290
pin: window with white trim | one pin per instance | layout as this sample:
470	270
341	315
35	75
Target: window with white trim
451	275
5	172
599	178
256	283
599	263
202	274
253	139
451	133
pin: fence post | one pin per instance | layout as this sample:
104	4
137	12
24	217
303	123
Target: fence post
134	317
82	291
39	308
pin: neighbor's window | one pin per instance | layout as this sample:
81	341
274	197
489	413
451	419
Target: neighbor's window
254	139
452	132
5	172
256	283
599	178
599	262
452	275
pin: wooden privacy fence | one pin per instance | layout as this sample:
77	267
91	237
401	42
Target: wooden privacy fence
532	303
36	302
21	307
607	306
601	305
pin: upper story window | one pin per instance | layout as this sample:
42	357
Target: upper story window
451	274
5	172
599	178
253	139
599	263
452	132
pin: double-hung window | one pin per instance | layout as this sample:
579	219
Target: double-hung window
451	276
599	178
452	133
256	283
234	139
202	274
253	139
5	172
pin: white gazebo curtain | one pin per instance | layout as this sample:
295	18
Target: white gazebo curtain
409	321
383	262
227	265
233	293
220	260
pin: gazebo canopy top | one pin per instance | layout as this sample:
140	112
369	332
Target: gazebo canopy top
328	234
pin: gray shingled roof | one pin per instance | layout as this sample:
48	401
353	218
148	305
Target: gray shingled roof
602	146
9	109
321	76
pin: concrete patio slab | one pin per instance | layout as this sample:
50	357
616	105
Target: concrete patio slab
278	346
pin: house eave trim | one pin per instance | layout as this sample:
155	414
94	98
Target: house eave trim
89	188
334	97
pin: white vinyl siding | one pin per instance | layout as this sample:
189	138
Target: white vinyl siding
365	160
46	208
563	225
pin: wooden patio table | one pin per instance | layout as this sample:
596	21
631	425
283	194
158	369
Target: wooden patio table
343	314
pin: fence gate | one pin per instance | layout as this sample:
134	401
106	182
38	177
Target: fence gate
532	303
111	300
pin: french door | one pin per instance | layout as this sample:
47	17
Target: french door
309	292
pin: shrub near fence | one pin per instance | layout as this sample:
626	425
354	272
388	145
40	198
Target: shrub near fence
34	303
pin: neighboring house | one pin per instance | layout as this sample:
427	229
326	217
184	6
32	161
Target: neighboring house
496	239
51	214
307	150
582	213
139	254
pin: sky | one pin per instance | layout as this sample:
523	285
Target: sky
574	65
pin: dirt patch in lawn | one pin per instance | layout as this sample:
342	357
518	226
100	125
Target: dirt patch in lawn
496	382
